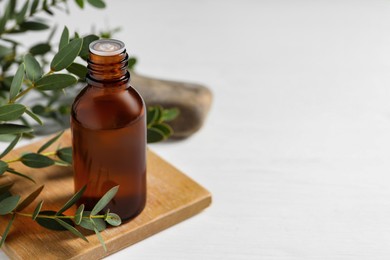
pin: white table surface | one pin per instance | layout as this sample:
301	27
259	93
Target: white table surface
296	149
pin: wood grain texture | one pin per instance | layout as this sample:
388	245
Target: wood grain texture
172	197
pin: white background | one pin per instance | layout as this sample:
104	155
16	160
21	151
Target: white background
296	149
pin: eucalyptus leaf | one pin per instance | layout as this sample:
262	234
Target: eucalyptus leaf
71	229
17	82
64	40
4	51
29	199
5	187
131	63
97	3
37	210
19	17
5	195
164	128
55	82
50	142
40	49
113	219
14	129
33	26
34	116
80	3
154	135
35	160
79	214
34	7
72	200
6	231
11	112
10	170
86	42
104	200
170	114
33	69
152	116
3	167
78	70
65	154
92	223
101	240
66	55
9	204
6	15
51	223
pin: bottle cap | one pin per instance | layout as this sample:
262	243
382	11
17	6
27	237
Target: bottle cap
107	47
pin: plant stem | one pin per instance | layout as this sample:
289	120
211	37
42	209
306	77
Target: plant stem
54	217
22	93
20	158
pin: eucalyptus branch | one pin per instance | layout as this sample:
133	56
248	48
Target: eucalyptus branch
56	220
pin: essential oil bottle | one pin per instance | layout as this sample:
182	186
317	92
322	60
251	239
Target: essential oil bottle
108	123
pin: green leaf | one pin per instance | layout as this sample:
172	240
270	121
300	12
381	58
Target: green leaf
40	49
33	69
86	42
113	219
65	154
37	210
66	55
164	128
35	160
10	170
170	114
154	135
51	223
55	82
153	115
5	187
101	240
6	231
5	195
72	200
80	3
17	82
33	26
104	200
4	51
11	112
79	214
90	224
9	204
29	199
50	142
34	7
20	16
3	167
14	129
71	229
97	3
34	116
78	70
131	63
7	14
64	40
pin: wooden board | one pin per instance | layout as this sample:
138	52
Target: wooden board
172	197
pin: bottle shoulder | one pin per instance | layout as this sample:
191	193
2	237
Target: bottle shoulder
107	108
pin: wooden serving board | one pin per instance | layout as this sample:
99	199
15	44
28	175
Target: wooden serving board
171	198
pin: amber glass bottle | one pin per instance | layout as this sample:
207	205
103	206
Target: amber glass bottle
108	125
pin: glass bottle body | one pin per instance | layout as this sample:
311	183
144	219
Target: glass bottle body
108	123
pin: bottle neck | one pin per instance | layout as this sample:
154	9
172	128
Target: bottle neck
107	70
